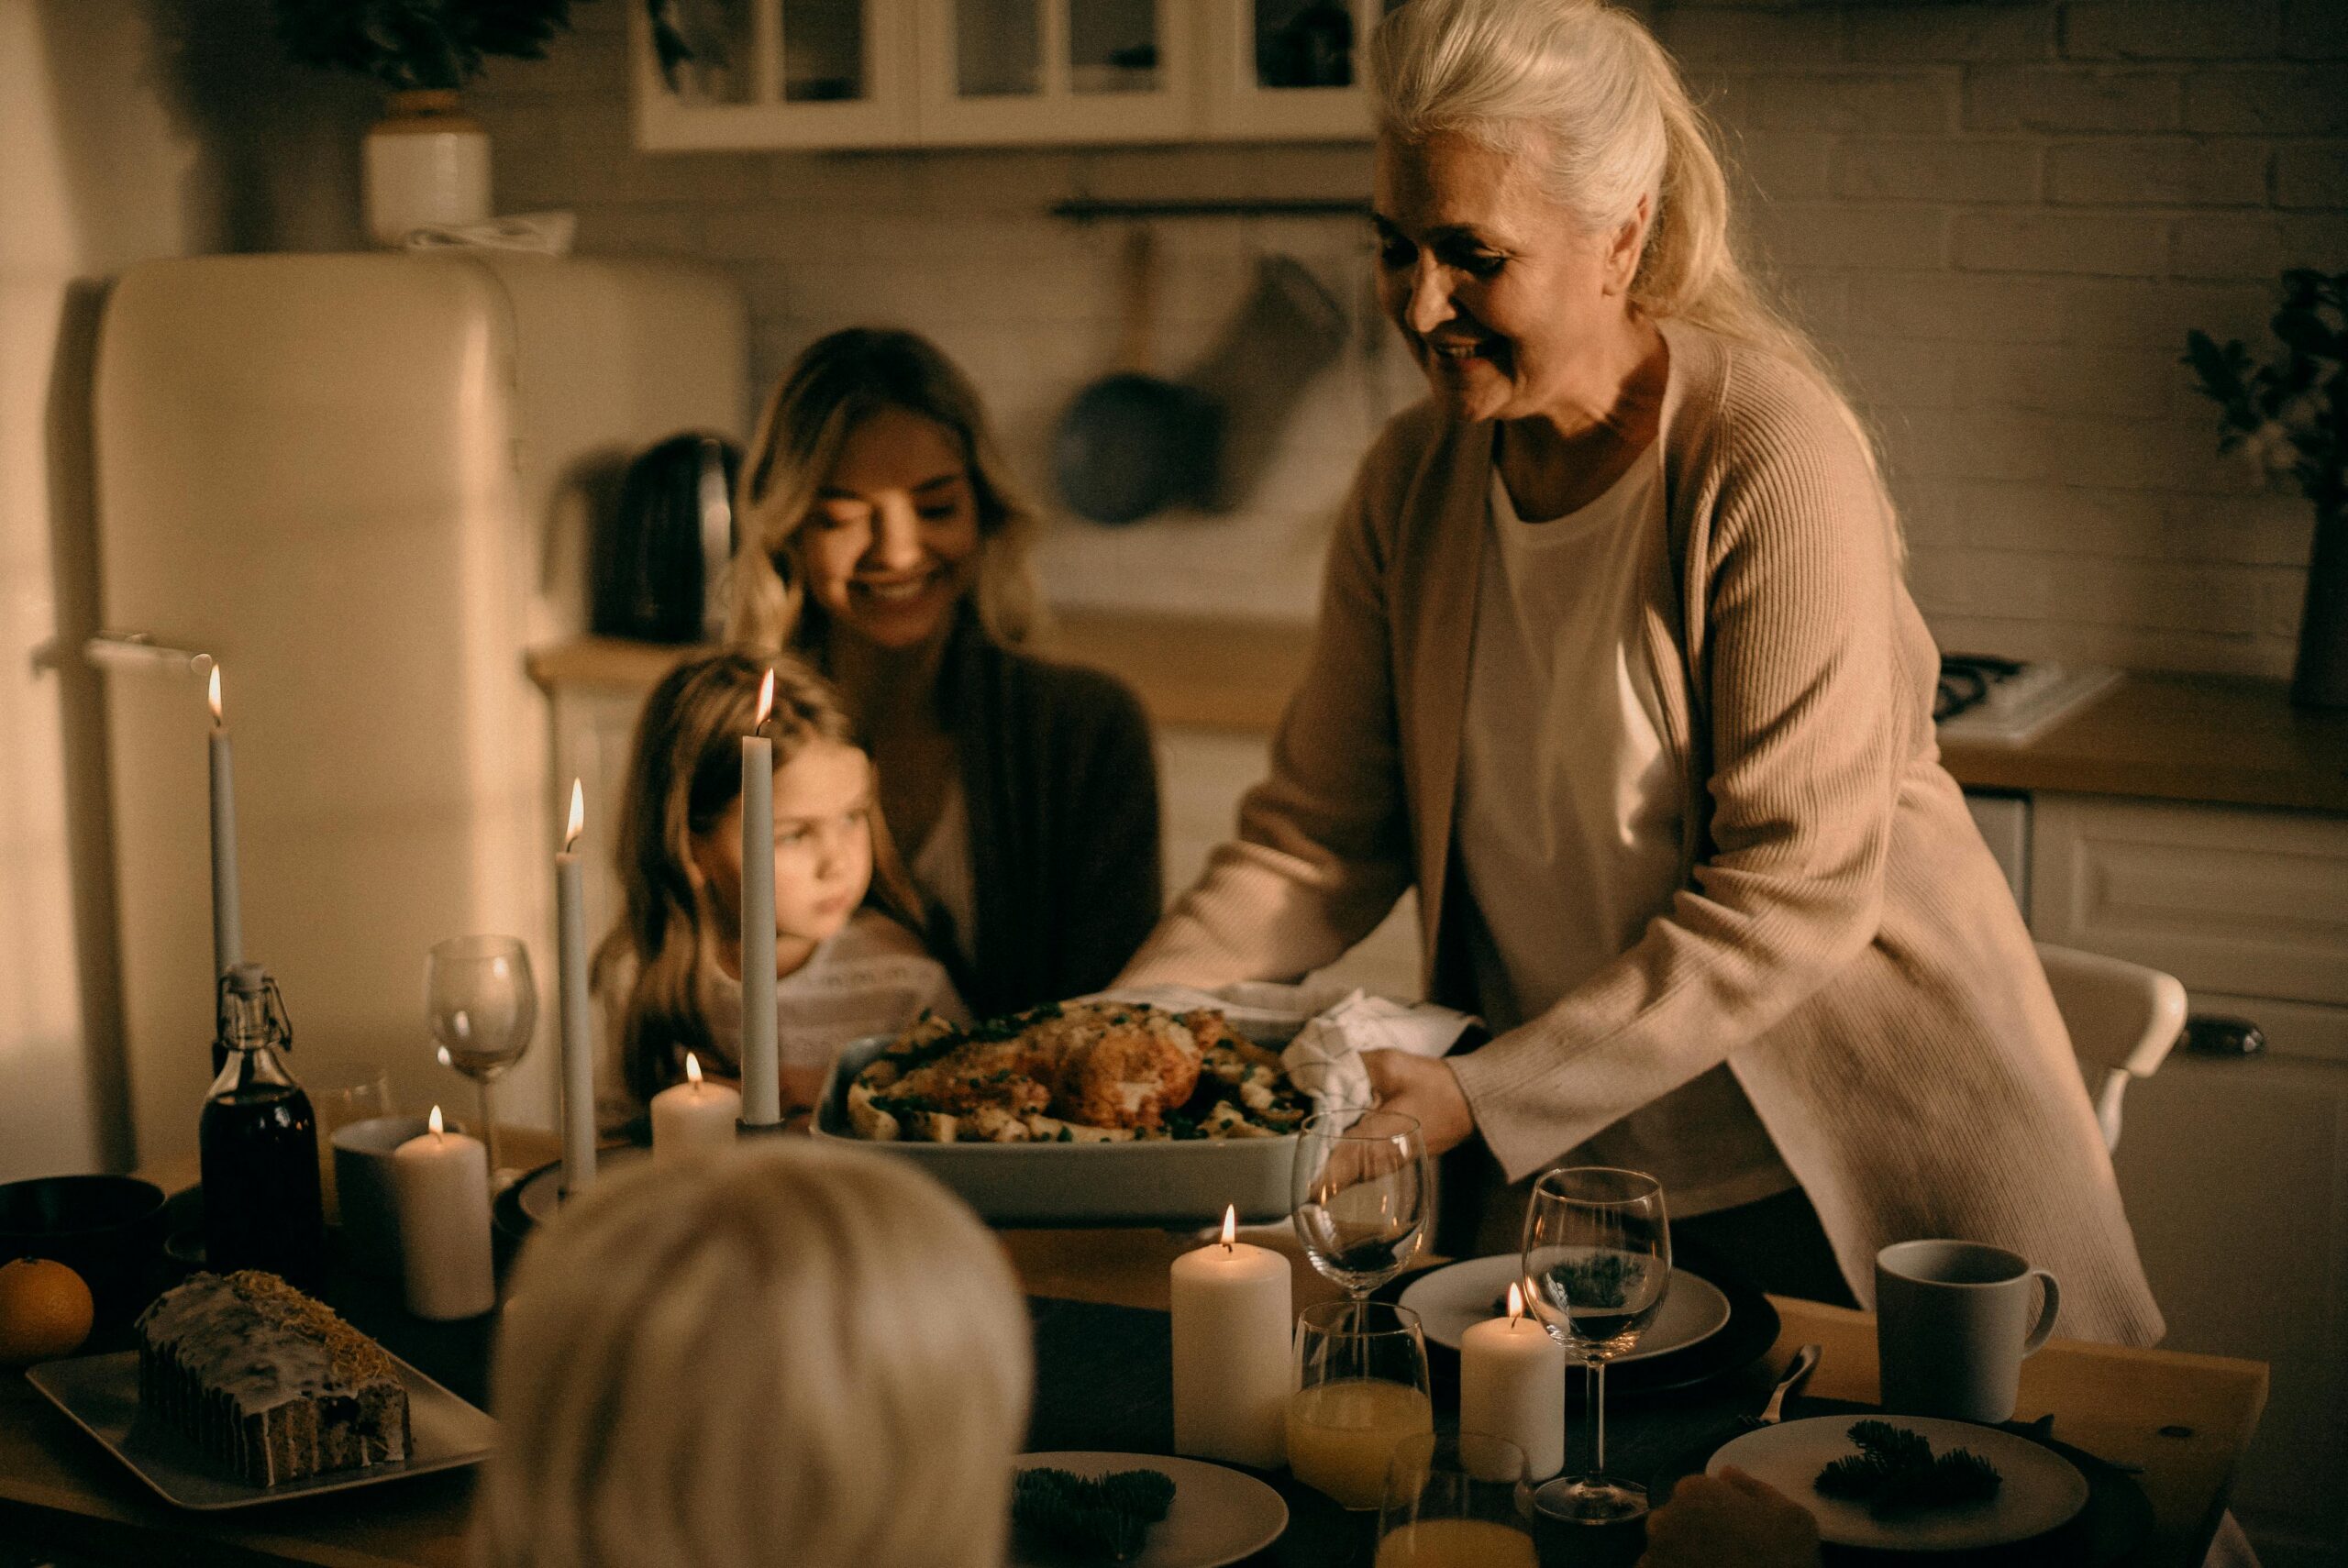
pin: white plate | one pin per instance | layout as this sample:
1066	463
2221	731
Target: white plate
1449	1299
1219	1516
100	1393
2042	1489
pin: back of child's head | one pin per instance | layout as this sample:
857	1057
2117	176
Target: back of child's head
685	775
791	1352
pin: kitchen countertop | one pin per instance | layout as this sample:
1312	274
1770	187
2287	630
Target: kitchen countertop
2209	739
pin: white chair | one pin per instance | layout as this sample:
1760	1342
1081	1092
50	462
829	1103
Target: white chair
2122	1018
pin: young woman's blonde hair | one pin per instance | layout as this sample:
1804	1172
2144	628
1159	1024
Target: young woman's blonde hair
791	1352
685	775
1583	90
837	383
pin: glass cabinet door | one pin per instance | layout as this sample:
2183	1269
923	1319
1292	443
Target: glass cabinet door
824	51
1291	68
735	73
1007	72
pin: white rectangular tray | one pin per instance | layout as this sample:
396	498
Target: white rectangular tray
1157	1183
100	1395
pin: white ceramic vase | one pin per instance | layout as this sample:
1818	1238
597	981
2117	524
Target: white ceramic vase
426	163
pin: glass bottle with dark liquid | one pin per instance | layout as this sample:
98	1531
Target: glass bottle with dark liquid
259	1142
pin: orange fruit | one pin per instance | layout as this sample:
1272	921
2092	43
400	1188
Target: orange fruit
44	1311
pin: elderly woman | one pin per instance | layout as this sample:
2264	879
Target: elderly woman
1615	664
885	542
701	1363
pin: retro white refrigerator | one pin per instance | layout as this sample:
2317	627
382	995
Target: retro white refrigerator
364	484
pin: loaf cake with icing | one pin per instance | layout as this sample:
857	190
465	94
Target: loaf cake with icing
268	1382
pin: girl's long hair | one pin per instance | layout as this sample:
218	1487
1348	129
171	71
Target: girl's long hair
839	383
1583	90
685	774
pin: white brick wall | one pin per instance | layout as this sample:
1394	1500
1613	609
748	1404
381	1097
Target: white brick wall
2001	218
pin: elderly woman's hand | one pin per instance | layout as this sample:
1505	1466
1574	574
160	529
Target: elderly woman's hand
1426	1090
1730	1520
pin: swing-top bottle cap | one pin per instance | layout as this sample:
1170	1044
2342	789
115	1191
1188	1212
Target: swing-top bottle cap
247	979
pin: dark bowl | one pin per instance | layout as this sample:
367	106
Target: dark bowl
107	1229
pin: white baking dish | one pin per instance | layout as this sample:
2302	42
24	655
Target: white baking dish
1157	1183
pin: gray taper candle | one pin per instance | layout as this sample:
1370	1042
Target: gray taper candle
228	919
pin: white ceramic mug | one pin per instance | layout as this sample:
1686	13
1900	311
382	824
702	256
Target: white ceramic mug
1953	1324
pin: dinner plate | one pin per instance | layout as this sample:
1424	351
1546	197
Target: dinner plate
2041	1490
1451	1300
1219	1516
100	1395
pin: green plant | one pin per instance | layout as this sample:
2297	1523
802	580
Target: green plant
406	44
2292	412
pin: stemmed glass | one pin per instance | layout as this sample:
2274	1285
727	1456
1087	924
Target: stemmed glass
1361	1388
482	1003
1361	1193
1597	1261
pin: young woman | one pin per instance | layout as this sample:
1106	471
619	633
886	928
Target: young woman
884	542
846	963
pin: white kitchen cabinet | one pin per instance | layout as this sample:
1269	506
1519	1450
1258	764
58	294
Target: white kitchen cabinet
2234	1170
879	74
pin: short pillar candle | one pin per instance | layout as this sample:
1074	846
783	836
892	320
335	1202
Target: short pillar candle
440	1192
1512	1386
692	1117
1232	1359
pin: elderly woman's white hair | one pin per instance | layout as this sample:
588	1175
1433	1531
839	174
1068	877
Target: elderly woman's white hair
790	1353
1584	91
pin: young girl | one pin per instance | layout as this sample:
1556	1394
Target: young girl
846	965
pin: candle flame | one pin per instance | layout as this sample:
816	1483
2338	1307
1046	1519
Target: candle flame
213	695
766	702
434	1121
692	1069
441	1055
578	814
1515	1302
1230	1225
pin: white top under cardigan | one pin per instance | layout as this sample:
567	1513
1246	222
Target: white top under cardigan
1572	810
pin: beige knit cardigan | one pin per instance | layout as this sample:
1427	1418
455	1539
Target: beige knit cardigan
1843	939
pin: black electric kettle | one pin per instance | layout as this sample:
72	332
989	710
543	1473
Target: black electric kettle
661	555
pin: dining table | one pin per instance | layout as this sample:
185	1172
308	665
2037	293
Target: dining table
2165	1429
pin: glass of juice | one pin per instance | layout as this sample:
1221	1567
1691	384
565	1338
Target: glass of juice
1361	1388
1460	1501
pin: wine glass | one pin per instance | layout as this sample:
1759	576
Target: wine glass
1361	1388
483	1004
1597	1263
1456	1499
1360	1191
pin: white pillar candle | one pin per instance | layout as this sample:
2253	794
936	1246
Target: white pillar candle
692	1117
761	1075
578	1038
1512	1386
1231	1372
440	1192
228	917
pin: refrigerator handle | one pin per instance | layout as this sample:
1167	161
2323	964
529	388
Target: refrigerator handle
139	650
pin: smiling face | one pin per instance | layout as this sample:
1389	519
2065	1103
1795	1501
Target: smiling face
1512	308
892	542
823	850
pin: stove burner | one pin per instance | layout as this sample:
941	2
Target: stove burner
1966	680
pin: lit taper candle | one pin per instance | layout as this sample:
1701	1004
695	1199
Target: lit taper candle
761	1079
578	1036
227	917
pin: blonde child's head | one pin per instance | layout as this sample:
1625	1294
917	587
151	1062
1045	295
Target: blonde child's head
793	1353
680	847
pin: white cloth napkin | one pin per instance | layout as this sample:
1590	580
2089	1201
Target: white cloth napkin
548	233
1322	1030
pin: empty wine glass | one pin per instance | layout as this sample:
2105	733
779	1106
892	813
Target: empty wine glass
1360	1191
482	1003
1597	1261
